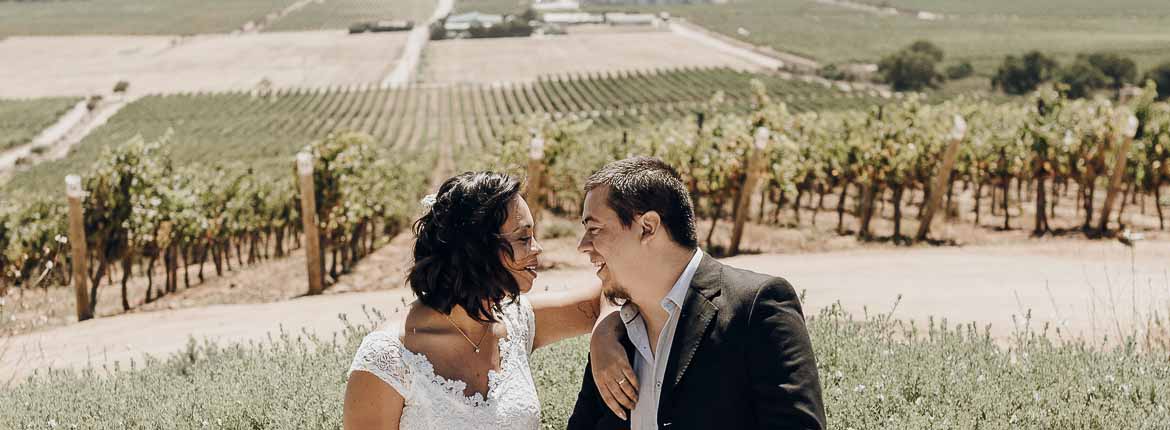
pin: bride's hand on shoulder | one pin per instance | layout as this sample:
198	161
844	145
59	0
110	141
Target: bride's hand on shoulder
611	368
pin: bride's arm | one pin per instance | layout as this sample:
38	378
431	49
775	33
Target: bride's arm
576	311
564	314
370	403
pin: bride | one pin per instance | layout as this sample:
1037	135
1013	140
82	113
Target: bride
459	360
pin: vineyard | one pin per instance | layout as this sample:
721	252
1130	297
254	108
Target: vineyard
51	17
1046	160
193	178
181	181
22	120
835	34
263	129
340	14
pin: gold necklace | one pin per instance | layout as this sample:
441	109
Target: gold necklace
473	344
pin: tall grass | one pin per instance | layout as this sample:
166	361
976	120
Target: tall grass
876	371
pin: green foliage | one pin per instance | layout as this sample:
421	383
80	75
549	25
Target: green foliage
1021	75
960	70
139	204
1082	78
834	73
1119	69
929	49
1161	76
982	32
22	120
913	68
876	372
511	27
219	166
121	17
438	32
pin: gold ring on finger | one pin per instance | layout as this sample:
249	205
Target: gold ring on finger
623	381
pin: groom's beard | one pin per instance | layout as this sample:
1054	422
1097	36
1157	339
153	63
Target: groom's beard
615	294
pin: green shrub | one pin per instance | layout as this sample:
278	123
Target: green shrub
1081	78
1161	76
876	372
1118	70
912	68
1021	75
960	70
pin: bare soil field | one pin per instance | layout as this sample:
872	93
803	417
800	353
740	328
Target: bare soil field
527	58
83	65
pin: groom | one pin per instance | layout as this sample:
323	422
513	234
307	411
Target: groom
713	346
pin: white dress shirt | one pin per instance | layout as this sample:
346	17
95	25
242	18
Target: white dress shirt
650	367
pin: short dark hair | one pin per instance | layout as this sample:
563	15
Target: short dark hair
457	246
642	184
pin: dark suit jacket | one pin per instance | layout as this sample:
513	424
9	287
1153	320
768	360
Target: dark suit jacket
741	359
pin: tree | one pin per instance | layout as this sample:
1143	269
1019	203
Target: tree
438	30
1082	78
1117	69
912	68
928	48
1161	77
960	70
1021	75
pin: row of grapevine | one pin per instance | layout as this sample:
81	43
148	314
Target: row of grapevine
260	128
228	154
867	159
21	120
141	206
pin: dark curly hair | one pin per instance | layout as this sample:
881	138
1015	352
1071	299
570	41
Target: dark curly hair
642	184
457	246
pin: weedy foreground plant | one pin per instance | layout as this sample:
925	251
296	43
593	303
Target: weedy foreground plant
877	372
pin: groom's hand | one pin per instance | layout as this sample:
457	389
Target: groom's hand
612	372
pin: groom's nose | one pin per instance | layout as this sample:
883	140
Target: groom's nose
585	244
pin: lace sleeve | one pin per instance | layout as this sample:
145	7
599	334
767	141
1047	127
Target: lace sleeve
529	319
381	355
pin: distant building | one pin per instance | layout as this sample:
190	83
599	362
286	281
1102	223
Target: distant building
555	5
651	2
464	22
618	18
570	18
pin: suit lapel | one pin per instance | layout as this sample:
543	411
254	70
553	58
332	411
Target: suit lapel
698	311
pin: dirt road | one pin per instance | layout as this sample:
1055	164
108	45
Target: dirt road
1092	288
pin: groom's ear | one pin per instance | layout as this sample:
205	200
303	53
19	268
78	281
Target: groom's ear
650	223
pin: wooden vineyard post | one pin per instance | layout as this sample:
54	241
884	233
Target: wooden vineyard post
313	260
756	165
943	178
74	194
535	190
1129	131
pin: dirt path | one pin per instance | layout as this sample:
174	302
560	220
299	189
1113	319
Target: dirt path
56	141
771	60
1090	288
407	68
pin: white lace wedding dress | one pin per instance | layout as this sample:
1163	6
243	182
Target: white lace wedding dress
435	402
